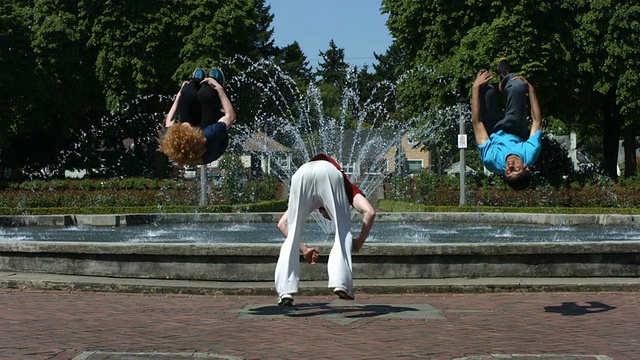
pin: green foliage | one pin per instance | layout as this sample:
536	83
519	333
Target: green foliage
265	189
424	191
233	177
392	64
35	185
99	72
555	126
131	37
421	192
426	183
294	63
133	192
580	55
554	164
332	69
399	206
263	206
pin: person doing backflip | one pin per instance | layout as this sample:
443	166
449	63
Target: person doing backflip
321	185
196	128
506	145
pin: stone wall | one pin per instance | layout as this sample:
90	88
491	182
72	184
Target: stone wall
256	262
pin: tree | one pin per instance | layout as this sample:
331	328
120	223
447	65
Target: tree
456	39
89	76
137	47
445	43
332	69
233	176
294	63
264	45
51	88
607	39
392	64
16	98
223	30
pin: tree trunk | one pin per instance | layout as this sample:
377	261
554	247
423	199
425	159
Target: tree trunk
630	165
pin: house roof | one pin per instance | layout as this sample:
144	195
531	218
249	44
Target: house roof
259	141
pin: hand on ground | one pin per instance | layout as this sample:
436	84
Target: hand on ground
311	255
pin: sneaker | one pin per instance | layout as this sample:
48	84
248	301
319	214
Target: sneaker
286	300
198	74
217	74
343	294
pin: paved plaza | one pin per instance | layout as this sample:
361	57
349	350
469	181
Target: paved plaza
57	324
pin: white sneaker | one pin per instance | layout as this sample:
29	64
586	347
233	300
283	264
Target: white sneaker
343	294
285	300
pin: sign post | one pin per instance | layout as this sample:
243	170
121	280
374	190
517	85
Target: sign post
203	185
462	145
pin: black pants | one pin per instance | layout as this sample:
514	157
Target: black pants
513	119
199	104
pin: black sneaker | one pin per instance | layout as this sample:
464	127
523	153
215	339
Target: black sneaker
198	74
343	294
217	74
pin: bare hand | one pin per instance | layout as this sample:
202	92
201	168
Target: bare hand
212	82
311	255
357	244
526	83
483	77
182	86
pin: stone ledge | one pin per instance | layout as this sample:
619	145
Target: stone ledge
256	262
31	281
465	217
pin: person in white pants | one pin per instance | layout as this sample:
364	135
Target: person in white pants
321	185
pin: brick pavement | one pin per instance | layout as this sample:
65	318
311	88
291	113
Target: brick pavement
87	325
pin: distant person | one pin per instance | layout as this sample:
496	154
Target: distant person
196	128
321	185
507	147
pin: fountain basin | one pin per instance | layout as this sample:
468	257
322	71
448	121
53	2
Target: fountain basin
462	217
377	260
256	262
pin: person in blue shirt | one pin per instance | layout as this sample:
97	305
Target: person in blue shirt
197	126
507	146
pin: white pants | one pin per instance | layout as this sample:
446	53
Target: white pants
316	184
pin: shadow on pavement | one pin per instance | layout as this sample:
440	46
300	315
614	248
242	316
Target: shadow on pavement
573	309
320	309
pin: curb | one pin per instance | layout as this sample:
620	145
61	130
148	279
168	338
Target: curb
72	283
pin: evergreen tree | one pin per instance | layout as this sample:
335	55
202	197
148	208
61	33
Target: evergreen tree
391	65
332	69
294	63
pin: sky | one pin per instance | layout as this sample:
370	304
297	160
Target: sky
357	26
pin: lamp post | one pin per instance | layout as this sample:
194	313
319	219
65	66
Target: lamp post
462	145
203	185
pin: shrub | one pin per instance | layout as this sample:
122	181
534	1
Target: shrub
233	177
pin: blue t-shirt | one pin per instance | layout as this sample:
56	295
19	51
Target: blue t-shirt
494	152
217	141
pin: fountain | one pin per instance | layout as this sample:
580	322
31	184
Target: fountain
389	229
417	245
364	138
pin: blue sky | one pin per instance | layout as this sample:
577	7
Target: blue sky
357	26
